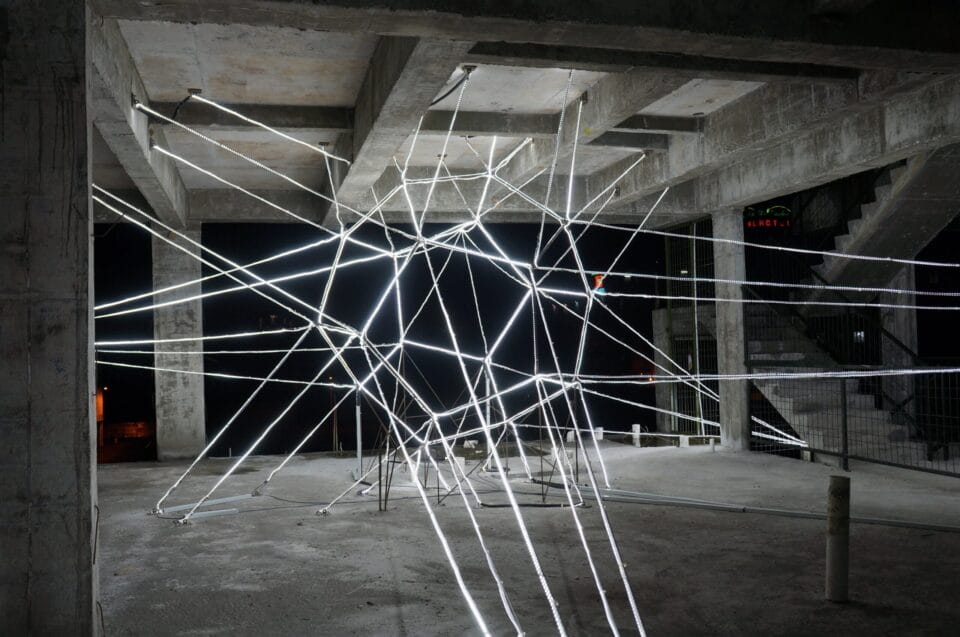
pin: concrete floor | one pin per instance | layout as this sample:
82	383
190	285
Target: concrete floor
278	569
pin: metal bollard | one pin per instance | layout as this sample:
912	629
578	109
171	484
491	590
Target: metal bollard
838	538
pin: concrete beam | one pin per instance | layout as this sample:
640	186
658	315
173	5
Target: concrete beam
757	121
232	206
920	120
688	66
679	205
633	141
405	74
858	138
114	84
340	120
610	101
306	118
450	200
48	568
499	124
103	215
919	35
666	124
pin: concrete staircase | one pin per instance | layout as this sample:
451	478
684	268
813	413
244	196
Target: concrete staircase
814	406
913	203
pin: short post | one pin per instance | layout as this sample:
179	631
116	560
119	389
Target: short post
635	432
844	449
359	441
838	538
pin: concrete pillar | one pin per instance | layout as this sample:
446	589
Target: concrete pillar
181	426
47	428
665	392
729	263
902	324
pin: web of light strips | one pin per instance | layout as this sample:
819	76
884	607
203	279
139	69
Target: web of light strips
562	393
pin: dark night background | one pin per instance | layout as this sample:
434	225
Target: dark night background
123	268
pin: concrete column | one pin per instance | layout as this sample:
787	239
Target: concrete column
729	263
47	428
181	426
902	324
664	391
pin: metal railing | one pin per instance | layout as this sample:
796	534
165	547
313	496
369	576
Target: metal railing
907	420
835	418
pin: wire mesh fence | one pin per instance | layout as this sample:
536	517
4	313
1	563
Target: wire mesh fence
843	418
826	363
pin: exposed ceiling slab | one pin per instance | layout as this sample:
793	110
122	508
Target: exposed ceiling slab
619	61
461	153
590	159
360	76
507	89
107	171
291	159
700	97
895	35
115	86
249	65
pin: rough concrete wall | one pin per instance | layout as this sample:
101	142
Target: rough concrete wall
47	478
729	263
181	425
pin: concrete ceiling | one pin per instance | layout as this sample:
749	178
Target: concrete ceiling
249	65
359	75
107	171
700	97
511	89
293	160
461	152
590	159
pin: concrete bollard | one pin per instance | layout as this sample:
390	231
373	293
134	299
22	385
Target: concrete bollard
838	538
635	432
598	433
684	441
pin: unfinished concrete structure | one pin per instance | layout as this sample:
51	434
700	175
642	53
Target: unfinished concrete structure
733	105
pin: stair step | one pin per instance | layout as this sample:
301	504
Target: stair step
776	342
801	386
820	398
778	357
867	210
830	262
788	366
854	225
842	242
771	352
896	173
